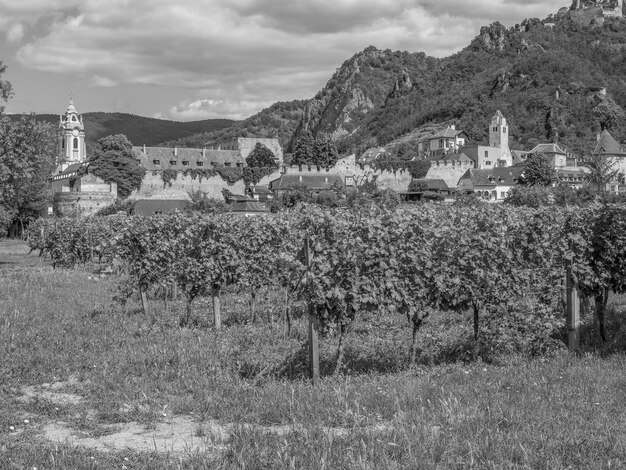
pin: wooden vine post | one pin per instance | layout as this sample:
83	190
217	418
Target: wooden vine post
217	317
573	310
314	341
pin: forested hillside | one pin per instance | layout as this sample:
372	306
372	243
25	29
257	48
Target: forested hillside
140	130
546	76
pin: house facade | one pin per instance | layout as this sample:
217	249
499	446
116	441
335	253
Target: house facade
489	184
448	140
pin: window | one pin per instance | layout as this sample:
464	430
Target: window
504	130
486	154
488	163
495	129
185	163
200	163
156	162
173	162
503	194
227	164
74	118
75	143
440	143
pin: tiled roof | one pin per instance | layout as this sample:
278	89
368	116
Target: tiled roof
316	182
608	145
247	206
260	190
495	176
498	114
373	152
148	207
68	172
434	184
446	133
548	148
456	157
166	155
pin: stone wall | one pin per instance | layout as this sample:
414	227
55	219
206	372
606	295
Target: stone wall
85	202
152	186
449	171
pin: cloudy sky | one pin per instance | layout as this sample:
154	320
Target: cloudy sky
198	59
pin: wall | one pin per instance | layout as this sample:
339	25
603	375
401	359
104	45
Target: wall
153	186
85	202
449	171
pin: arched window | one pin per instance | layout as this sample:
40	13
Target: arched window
74	118
75	144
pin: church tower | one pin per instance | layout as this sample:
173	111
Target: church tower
71	136
499	131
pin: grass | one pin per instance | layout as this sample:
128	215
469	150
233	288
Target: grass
452	410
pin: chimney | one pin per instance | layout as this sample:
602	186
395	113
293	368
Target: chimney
176	151
144	149
453	127
300	178
203	152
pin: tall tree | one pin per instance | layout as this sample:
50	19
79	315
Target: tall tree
538	171
27	157
113	160
261	157
304	149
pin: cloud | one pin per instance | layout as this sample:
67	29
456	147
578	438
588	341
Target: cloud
215	108
15	33
238	52
102	82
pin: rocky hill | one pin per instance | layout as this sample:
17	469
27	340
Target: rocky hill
561	78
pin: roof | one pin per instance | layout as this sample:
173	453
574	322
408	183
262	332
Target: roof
260	190
373	152
434	184
149	207
69	172
498	114
460	157
548	148
608	145
494	177
247	206
315	182
166	155
446	133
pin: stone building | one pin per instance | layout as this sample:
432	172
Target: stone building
73	188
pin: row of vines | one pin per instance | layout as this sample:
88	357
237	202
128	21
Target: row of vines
504	265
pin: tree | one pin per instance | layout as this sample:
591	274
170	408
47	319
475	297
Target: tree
27	157
6	89
320	151
538	171
261	157
113	160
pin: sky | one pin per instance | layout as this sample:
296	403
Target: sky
187	60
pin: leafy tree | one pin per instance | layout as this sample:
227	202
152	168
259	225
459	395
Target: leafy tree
6	89
261	157
538	171
319	152
27	156
113	160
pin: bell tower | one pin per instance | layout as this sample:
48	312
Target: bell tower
71	138
499	131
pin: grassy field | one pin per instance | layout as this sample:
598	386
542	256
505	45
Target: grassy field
89	383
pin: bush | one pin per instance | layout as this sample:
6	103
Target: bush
119	205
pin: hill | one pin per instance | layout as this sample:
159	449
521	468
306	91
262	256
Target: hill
560	78
140	130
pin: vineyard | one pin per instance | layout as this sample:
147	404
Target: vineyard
505	266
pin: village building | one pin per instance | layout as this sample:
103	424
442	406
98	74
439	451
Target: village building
497	153
490	184
448	140
313	182
73	187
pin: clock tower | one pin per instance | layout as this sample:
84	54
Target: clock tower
71	136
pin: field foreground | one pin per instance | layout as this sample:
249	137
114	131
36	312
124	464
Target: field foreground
89	383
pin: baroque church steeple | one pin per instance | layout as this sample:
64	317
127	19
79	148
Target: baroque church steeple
71	137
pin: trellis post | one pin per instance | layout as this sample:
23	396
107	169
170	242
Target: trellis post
573	310
314	342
